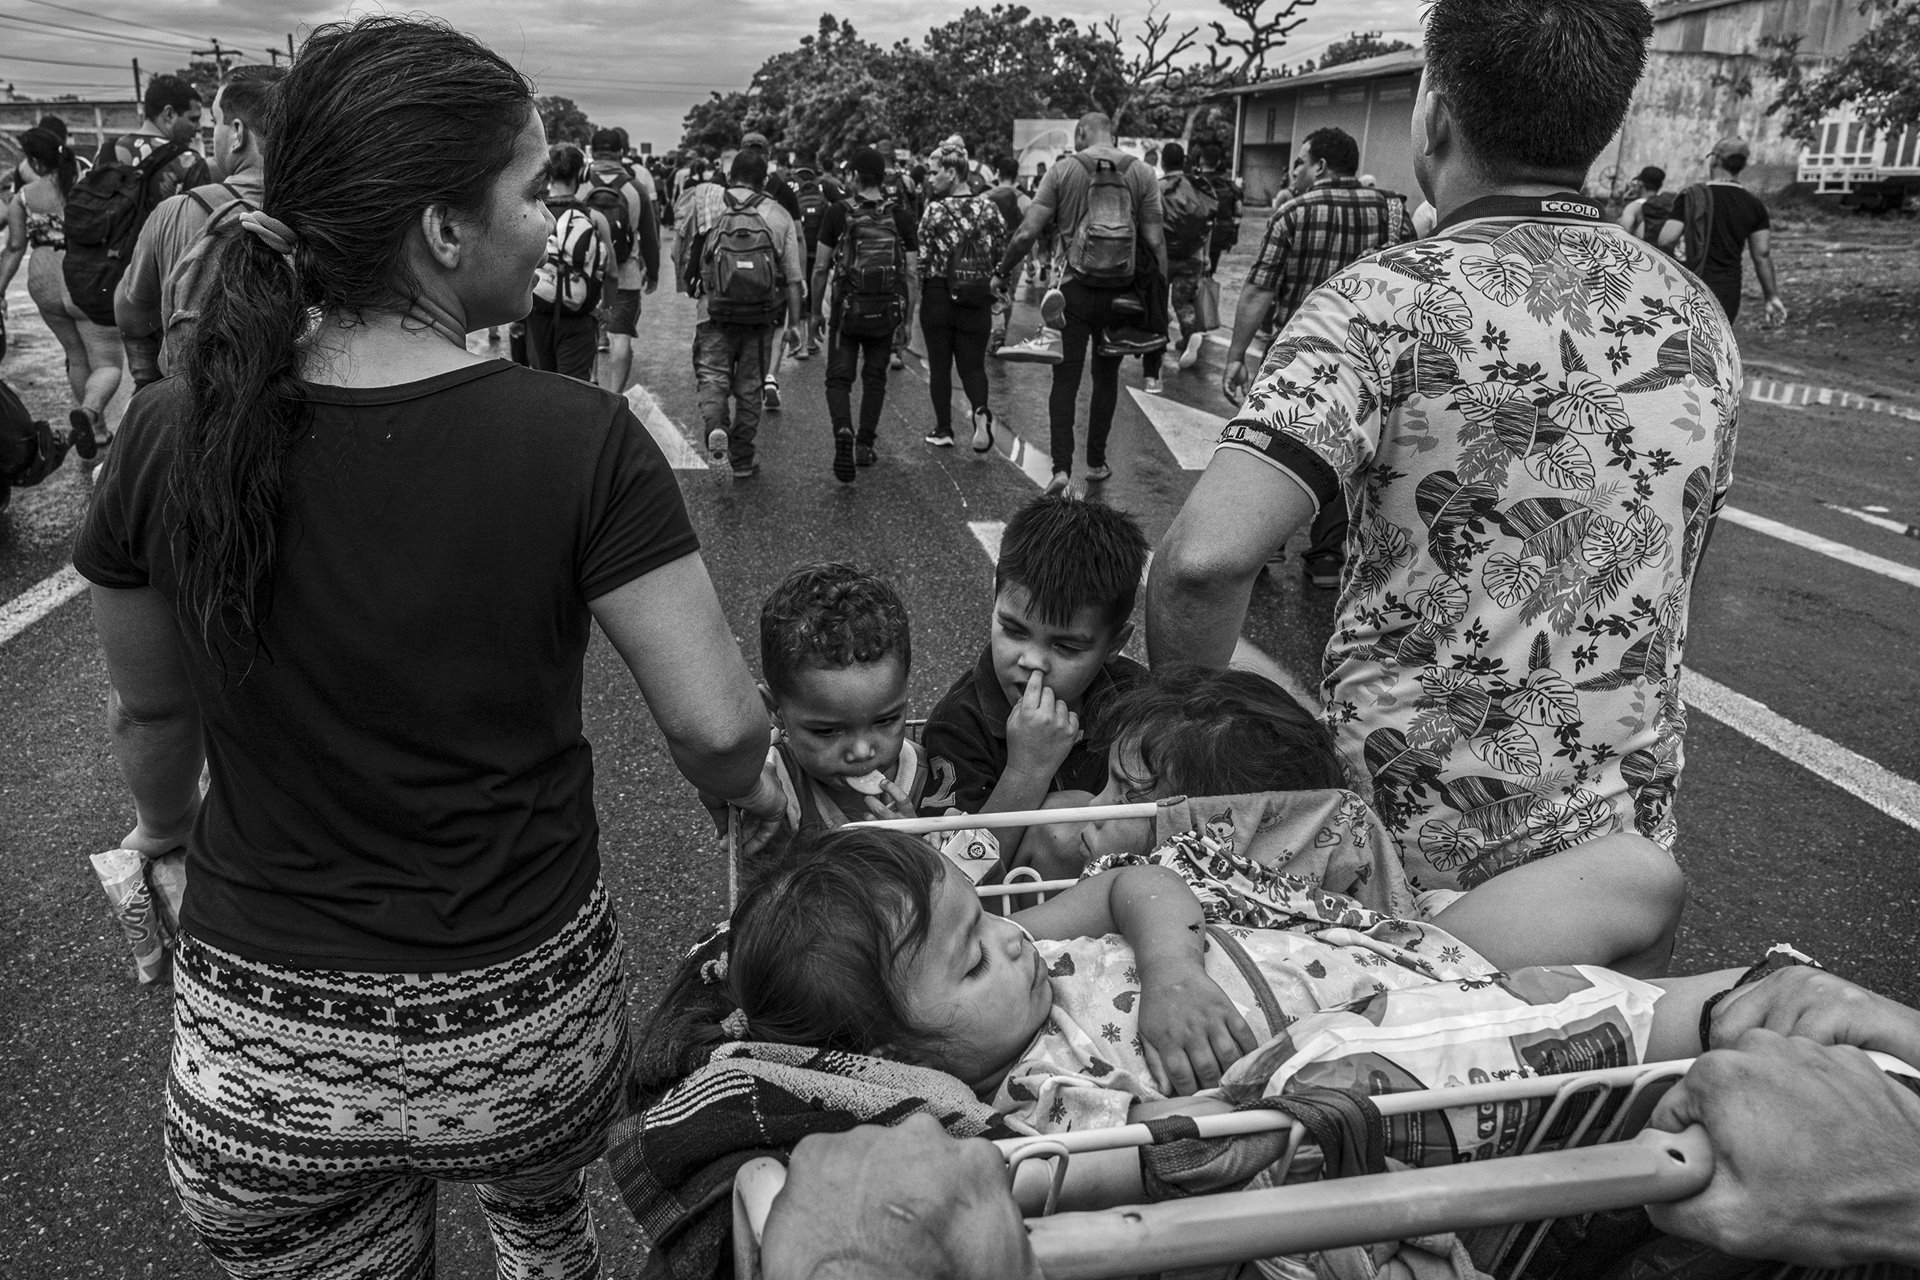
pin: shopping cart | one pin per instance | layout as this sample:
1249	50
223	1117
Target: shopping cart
1579	1159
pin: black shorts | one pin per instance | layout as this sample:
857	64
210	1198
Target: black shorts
623	316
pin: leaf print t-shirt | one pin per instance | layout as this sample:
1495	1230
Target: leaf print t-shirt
1531	415
1086	1068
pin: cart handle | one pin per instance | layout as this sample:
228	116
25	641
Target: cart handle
1654	1168
1018	818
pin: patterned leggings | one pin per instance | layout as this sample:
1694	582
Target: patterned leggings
310	1111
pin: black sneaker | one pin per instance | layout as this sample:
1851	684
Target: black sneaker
863	455
80	433
1129	342
770	395
746	470
940	438
843	457
1323	574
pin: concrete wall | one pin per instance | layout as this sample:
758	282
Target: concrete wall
1825	27
1683	105
88	123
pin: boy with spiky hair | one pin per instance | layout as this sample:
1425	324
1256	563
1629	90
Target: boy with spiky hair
1007	733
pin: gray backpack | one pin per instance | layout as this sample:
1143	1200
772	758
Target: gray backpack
1102	248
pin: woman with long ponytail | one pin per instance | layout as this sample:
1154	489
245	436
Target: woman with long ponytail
354	568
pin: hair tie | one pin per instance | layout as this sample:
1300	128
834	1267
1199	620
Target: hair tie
735	1025
715	970
273	233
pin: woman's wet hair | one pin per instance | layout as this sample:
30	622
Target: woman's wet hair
567	163
379	119
1200	731
811	957
52	156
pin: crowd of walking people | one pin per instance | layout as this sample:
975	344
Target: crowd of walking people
350	567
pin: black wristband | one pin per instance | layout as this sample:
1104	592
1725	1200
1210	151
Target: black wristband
1779	957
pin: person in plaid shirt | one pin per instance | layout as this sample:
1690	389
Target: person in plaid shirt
1331	220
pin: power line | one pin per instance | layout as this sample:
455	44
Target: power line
80	31
59	62
127	22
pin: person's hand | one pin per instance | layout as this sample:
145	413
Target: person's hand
760	814
796	337
819	330
1776	310
1191	1032
155	841
1812	1004
1234	380
1813	1155
1041	729
653	282
892	802
905	1201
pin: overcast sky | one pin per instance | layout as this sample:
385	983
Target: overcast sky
637	63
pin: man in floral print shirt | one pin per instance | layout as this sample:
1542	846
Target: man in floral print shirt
1531	416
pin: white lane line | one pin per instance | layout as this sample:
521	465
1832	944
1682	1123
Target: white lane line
1876	520
1799	395
39	600
988	534
1891	794
1824	546
668	434
1188	433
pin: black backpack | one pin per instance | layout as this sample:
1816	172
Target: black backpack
104	214
812	196
1655	212
1186	209
872	271
29	452
610	198
740	268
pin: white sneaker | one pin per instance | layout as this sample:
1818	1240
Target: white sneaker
1191	355
1152	386
982	430
1062	483
1053	309
770	394
1044	347
717	447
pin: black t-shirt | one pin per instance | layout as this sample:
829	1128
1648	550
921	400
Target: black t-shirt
1737	214
783	195
400	783
1007	201
966	737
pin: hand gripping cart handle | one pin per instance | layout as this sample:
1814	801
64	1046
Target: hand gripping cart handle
1594	1172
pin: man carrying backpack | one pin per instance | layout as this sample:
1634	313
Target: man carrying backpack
1106	205
870	244
1648	208
1012	204
106	209
743	263
167	282
619	196
1714	222
1187	204
816	192
781	192
578	272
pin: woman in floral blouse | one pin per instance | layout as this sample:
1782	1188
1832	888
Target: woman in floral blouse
961	239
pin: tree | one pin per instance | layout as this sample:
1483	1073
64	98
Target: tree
1358	45
563	120
1244	57
714	125
204	75
979	73
1875	75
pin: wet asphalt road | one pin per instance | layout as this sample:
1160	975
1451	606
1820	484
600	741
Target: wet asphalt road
1773	850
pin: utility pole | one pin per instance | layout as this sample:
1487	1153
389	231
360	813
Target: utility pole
219	57
136	79
289	48
275	55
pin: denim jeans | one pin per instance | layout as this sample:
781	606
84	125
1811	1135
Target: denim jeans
731	359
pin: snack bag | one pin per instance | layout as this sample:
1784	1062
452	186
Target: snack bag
1539	1021
144	898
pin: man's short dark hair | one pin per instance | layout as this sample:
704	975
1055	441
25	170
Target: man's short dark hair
1006	167
1653	177
828	617
167	91
1733	164
1173	157
868	165
1068	553
1336	149
606	142
1537	85
749	169
248	93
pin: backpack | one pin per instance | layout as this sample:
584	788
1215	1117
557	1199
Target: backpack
187	280
1102	248
1187	208
1655	212
740	265
1699	226
610	198
872	271
813	207
28	438
569	278
970	265
104	214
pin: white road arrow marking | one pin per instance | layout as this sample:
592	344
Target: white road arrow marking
1188	433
